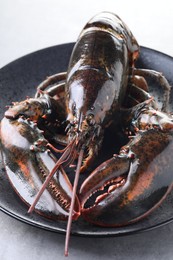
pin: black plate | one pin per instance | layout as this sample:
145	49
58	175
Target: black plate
18	80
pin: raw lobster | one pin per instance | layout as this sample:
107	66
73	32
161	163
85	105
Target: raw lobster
101	89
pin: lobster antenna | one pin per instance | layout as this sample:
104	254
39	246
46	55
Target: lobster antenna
68	231
44	185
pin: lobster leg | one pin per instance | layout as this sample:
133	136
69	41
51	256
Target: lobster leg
139	81
51	80
54	88
162	82
136	101
135	96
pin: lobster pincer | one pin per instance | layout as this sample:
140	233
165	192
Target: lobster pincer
28	161
133	183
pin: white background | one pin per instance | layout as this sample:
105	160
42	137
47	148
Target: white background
30	25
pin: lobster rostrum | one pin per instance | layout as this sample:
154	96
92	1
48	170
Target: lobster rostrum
101	89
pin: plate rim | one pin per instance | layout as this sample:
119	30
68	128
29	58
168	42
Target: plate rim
79	233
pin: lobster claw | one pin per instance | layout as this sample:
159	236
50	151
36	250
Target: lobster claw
132	184
28	162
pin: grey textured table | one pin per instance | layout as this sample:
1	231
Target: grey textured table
28	25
